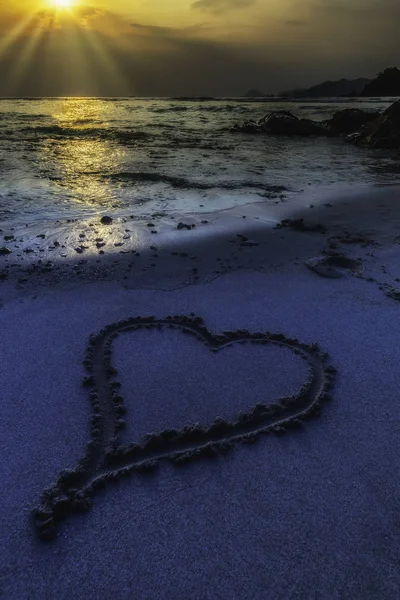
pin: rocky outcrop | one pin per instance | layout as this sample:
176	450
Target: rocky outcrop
382	132
364	128
282	122
349	120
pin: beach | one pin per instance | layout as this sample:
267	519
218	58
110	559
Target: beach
300	501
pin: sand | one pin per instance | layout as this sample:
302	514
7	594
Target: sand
312	513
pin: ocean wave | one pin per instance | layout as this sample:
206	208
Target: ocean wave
58	130
131	178
224	108
16	116
119	135
169	109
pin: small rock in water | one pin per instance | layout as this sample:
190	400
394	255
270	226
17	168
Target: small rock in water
4	250
106	220
300	225
184	226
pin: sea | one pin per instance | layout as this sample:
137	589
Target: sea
75	158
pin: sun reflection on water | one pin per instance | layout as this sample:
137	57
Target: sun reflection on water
74	111
79	162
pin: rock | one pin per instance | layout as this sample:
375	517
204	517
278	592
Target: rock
333	265
349	120
321	267
394	294
282	122
106	220
184	226
383	132
4	251
299	225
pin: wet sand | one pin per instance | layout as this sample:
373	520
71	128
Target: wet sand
292	493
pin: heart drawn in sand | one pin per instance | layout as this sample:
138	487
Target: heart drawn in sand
107	458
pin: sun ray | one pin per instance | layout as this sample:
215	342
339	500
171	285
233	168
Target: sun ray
107	62
80	63
16	33
25	57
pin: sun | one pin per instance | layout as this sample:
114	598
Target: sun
61	3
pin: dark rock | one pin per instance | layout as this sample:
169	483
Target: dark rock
282	122
394	294
184	226
383	132
4	251
320	266
333	265
106	220
299	225
349	120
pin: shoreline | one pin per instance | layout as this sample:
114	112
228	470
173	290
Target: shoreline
135	258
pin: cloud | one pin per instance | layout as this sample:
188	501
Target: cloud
147	61
221	6
101	52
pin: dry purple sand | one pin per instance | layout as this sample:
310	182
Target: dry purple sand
312	514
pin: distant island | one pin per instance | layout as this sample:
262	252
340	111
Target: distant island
342	87
255	94
387	83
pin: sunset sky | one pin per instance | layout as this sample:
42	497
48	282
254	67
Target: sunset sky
190	47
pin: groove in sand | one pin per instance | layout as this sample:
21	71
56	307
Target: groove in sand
108	459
